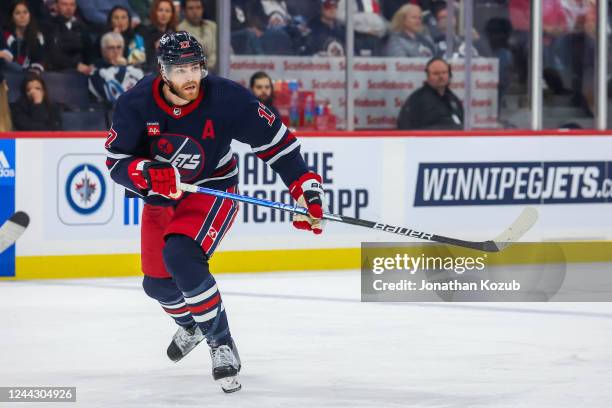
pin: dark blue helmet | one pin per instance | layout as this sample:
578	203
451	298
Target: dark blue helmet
179	48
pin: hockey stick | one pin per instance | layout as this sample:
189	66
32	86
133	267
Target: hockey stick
12	229
516	230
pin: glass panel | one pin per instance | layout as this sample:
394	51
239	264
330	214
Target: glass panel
502	30
420	31
301	46
569	30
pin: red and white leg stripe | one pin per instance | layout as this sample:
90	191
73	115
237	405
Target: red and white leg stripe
204	306
176	310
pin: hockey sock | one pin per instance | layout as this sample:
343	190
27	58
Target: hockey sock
170	298
188	265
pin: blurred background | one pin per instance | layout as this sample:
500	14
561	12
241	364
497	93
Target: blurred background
516	64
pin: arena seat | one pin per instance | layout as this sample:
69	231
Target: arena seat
14	80
86	120
69	89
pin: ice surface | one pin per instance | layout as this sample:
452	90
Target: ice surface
305	341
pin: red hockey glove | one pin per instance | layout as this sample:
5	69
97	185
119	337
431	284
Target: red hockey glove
308	192
161	178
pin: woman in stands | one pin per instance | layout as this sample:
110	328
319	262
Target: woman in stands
163	20
120	21
23	39
34	110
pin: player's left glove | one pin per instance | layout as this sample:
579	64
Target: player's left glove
308	192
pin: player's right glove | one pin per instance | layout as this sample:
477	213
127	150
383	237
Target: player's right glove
161	178
308	192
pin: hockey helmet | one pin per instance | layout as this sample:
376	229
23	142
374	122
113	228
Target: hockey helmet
180	48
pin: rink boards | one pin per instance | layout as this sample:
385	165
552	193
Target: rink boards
470	186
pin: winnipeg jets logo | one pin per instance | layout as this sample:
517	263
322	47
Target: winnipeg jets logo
85	189
184	44
177	111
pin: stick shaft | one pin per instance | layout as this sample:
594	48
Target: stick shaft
295	209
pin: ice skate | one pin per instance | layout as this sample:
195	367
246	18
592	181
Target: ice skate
184	340
225	367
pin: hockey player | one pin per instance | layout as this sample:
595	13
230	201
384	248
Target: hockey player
175	127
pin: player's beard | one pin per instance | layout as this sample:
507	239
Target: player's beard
268	101
188	91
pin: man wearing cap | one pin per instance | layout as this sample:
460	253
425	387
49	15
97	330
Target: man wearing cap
327	34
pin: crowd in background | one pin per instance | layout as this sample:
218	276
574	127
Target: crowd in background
113	42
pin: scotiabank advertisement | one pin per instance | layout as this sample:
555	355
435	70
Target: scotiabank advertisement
381	85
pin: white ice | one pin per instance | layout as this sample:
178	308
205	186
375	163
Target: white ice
306	341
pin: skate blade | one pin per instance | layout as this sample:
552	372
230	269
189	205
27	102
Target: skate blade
179	357
229	384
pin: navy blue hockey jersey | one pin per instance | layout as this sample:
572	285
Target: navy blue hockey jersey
196	137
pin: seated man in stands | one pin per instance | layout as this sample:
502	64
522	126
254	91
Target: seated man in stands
70	43
370	26
205	31
263	89
438	33
326	37
112	76
434	105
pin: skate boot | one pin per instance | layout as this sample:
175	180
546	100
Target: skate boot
185	339
225	366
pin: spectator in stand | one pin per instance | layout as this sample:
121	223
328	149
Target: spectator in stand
239	11
370	26
498	32
23	39
263	89
34	110
579	49
257	38
113	76
95	12
120	21
408	38
163	20
390	7
434	105
6	57
285	29
141	8
205	31
555	25
327	35
248	26
70	44
5	112
438	33
277	13
304	9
